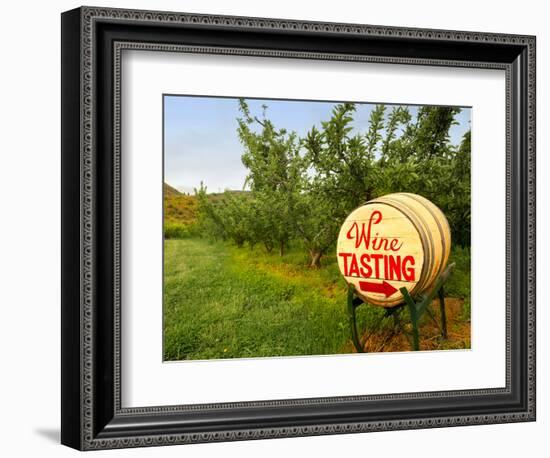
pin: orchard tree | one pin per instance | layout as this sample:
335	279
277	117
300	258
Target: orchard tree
454	196
343	163
318	220
374	134
272	157
229	216
400	117
341	175
423	160
209	221
444	169
431	133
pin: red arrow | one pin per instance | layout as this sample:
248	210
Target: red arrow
384	288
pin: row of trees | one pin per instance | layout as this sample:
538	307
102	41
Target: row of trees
302	189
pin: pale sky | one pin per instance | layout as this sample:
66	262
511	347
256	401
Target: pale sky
201	141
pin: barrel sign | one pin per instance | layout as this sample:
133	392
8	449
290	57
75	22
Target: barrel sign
398	240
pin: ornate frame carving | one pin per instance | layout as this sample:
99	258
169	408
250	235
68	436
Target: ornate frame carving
101	421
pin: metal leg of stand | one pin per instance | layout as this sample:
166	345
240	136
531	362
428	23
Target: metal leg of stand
414	319
353	320
416	310
443	312
399	325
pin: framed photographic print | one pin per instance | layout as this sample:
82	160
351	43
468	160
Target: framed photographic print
277	228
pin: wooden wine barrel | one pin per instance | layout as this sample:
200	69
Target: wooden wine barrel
393	241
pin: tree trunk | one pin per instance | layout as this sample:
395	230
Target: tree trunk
315	259
281	248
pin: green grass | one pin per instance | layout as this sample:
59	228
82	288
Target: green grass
221	301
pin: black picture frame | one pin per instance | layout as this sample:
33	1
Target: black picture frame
92	416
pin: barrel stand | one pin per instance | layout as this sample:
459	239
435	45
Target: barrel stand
416	307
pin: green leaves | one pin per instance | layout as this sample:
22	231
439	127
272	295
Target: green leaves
303	188
376	124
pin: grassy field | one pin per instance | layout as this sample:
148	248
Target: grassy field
224	302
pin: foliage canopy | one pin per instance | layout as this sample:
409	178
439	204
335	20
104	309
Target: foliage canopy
302	189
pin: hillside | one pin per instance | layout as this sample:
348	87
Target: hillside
178	207
170	191
182	208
